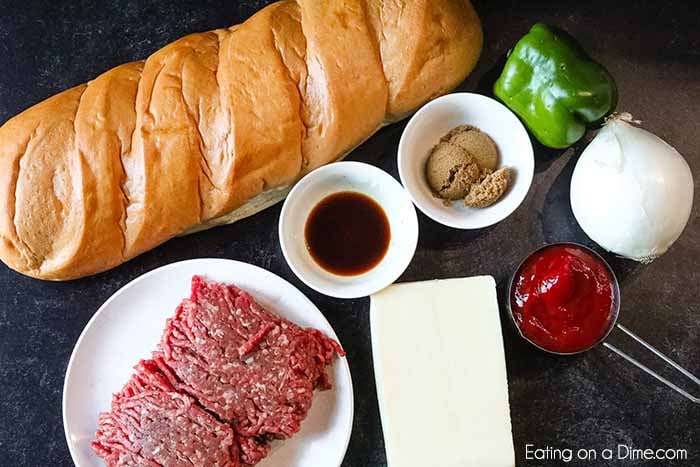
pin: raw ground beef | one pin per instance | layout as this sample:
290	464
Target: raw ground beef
153	425
252	368
227	378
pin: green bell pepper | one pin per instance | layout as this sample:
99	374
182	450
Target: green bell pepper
555	87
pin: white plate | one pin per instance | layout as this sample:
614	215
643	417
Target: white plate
438	117
349	176
129	326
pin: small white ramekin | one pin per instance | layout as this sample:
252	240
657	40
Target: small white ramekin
438	117
348	176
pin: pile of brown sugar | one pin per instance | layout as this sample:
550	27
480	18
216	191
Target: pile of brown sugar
464	164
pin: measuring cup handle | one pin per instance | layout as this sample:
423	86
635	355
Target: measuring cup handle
648	370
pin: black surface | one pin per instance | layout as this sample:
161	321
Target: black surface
593	401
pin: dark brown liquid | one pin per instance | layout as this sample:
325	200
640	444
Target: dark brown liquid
347	233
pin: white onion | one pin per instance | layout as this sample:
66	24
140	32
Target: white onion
631	192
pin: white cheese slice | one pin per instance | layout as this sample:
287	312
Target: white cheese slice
441	374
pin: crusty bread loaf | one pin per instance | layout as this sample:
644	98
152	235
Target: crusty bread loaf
216	126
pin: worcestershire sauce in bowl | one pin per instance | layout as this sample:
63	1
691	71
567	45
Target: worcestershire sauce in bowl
347	233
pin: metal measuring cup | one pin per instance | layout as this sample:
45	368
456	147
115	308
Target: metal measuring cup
613	324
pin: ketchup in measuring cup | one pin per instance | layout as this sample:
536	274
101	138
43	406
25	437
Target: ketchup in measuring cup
563	298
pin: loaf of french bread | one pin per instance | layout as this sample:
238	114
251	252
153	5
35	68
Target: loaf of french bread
216	126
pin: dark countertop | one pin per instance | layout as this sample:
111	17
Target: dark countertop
592	401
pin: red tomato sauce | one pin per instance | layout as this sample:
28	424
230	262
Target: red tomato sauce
563	298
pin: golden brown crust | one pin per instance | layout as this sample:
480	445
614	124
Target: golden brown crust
346	93
104	124
43	205
428	47
216	126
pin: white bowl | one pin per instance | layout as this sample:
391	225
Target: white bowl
438	117
348	176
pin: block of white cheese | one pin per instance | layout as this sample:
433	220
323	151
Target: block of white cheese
441	374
